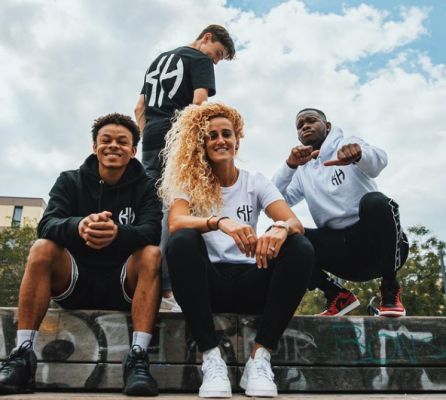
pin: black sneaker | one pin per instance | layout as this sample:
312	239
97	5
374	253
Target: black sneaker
137	378
17	373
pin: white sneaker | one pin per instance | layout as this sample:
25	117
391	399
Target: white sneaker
215	375
258	378
169	304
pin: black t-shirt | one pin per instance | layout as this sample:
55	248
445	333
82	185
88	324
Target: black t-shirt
169	85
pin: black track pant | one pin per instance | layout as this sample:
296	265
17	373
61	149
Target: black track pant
374	247
202	288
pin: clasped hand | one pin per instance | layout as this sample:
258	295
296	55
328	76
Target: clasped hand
98	230
264	247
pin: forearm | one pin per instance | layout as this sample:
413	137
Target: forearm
295	226
202	224
140	114
63	231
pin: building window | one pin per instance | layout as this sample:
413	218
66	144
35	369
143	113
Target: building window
17	216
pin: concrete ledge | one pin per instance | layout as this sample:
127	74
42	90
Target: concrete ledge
83	350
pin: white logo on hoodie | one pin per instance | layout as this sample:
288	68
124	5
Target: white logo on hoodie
126	216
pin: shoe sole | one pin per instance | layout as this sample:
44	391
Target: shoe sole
219	393
140	390
392	314
261	393
6	389
256	392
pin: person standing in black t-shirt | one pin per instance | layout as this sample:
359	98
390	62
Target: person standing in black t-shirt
174	80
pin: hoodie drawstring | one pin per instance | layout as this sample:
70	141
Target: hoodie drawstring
101	188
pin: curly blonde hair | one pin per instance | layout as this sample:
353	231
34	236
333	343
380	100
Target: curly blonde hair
186	165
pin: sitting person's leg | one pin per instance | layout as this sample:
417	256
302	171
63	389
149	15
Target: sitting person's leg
48	271
142	284
276	293
189	266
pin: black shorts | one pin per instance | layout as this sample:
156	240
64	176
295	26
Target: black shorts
95	289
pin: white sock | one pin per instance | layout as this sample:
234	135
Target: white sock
214	352
26	334
142	339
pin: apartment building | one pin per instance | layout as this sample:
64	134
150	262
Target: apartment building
20	211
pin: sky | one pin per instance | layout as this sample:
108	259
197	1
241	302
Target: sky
377	69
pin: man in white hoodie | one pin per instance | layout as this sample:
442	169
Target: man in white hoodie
358	235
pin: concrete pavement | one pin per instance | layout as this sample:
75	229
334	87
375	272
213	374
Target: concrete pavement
164	396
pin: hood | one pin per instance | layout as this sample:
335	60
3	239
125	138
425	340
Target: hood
134	172
331	142
101	191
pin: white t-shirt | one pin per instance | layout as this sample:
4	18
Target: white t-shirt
242	202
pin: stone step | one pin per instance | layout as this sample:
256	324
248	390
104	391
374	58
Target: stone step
84	349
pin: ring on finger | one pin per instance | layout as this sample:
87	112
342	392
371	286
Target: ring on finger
271	248
250	235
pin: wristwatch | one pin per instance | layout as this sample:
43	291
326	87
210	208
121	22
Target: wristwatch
281	224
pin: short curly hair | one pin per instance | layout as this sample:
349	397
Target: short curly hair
116	119
187	168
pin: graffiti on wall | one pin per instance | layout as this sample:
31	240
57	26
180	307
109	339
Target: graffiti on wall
314	354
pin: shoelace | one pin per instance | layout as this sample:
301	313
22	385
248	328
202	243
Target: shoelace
262	369
139	362
11	361
215	367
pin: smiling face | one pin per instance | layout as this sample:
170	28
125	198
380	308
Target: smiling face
312	129
114	148
221	142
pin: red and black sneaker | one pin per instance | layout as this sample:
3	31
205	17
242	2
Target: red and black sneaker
341	303
391	305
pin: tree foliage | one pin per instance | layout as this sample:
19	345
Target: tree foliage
420	278
14	248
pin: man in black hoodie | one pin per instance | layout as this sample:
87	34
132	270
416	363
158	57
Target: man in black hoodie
97	249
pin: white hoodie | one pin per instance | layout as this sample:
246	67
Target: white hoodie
332	193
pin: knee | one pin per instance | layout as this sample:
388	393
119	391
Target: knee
375	203
148	258
43	252
301	250
183	240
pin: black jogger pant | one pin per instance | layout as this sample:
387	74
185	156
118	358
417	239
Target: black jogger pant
373	247
201	287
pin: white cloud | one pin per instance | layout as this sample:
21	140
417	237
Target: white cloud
72	61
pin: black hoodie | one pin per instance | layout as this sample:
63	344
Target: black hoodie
132	201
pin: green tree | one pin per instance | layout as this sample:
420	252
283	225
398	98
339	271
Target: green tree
420	278
14	248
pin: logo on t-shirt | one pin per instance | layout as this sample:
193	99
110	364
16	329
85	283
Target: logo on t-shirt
338	177
126	216
244	212
155	79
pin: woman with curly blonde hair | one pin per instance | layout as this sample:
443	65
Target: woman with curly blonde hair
216	260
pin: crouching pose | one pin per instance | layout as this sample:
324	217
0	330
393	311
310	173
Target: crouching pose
358	235
217	262
97	249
